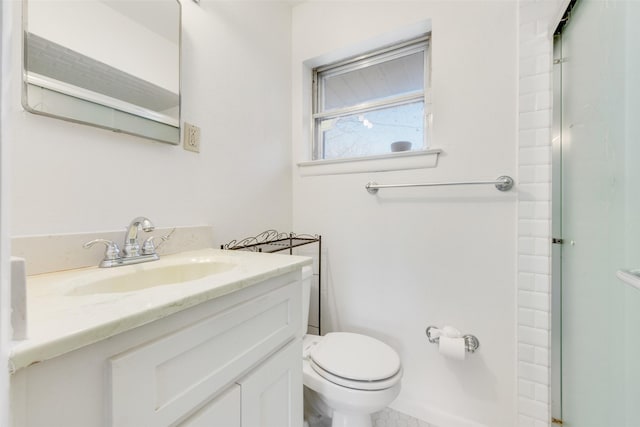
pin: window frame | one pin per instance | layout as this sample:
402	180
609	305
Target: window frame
387	53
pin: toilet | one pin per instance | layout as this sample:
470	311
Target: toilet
346	376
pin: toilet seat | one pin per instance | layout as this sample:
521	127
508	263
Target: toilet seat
355	361
356	385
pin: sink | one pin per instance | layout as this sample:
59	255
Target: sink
140	279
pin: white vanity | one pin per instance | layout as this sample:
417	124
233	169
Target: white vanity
218	345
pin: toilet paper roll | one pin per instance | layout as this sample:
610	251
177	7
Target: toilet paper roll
453	348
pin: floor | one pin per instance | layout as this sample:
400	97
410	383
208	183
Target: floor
390	418
385	418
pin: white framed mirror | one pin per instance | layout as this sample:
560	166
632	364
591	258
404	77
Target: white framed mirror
114	64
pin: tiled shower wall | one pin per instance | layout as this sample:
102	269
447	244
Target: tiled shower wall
538	19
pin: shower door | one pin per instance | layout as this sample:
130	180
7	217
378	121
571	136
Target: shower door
598	58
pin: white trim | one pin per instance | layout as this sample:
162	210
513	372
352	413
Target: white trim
385	162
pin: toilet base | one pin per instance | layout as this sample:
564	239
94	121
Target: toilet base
351	420
320	414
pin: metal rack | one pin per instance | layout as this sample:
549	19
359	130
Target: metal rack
272	241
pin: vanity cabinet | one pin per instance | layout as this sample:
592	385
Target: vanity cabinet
270	396
234	361
224	410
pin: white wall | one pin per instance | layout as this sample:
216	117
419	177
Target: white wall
69	178
5	294
409	258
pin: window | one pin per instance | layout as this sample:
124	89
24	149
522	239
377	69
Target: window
374	104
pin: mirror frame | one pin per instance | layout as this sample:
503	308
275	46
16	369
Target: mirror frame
175	140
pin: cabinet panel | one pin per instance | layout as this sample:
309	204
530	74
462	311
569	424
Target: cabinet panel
272	394
224	410
162	382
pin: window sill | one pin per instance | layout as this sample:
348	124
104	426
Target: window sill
383	163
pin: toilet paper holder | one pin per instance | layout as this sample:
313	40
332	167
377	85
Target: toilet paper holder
471	343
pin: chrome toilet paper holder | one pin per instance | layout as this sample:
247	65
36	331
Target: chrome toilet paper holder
471	343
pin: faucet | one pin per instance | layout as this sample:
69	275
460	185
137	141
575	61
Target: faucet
131	252
131	245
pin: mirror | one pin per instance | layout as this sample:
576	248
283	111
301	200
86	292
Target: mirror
113	64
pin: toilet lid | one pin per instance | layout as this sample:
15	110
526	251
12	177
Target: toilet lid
355	357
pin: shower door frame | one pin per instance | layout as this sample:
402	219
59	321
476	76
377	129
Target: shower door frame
556	233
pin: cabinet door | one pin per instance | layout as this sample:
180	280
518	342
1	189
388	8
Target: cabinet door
224	410
159	383
272	394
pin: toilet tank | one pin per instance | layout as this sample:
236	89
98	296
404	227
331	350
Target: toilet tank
307	275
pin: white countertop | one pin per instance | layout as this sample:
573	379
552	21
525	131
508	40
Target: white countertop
60	321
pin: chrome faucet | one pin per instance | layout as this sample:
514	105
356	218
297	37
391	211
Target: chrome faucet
131	245
131	252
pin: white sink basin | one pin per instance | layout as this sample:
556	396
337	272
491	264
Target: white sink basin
152	276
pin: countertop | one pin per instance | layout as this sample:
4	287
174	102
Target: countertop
60	320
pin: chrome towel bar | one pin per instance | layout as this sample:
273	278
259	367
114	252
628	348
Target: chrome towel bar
502	183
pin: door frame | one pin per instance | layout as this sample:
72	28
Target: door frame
556	233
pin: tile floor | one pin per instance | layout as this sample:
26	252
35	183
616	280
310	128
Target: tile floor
390	418
385	418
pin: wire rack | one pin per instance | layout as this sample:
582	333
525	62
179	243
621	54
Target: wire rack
272	241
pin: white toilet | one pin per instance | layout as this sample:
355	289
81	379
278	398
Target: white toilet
347	376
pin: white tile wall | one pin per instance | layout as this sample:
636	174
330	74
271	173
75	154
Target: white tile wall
538	19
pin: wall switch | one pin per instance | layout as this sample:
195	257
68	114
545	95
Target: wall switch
191	137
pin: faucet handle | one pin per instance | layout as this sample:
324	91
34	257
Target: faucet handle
112	250
149	247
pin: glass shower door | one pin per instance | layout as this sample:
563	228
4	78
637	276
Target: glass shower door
600	163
